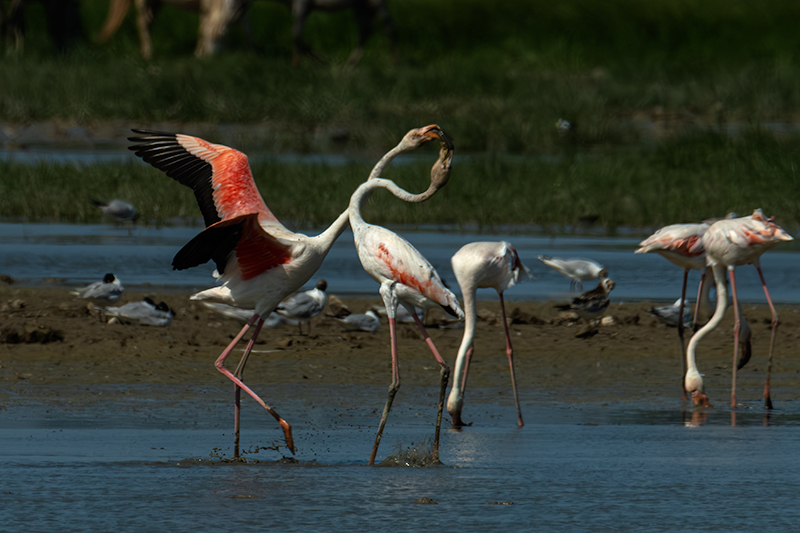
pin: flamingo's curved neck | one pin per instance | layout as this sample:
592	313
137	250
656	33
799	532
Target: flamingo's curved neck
361	195
719	313
455	398
326	239
377	170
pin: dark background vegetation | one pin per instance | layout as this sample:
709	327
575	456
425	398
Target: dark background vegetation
682	110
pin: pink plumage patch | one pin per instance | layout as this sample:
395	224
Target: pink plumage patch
258	251
688	246
235	192
399	274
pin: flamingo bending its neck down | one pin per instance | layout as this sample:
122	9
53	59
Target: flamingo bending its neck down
494	265
405	276
730	243
260	262
681	245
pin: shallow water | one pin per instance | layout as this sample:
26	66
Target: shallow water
140	465
74	255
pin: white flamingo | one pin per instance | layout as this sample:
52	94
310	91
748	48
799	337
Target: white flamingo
682	245
405	276
259	261
730	243
494	265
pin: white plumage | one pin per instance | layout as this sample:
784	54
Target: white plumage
577	270
303	306
109	290
145	312
369	322
494	265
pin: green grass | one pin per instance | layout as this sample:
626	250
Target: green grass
495	75
687	180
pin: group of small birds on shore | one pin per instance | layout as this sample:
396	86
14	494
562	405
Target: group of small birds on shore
109	290
302	307
261	265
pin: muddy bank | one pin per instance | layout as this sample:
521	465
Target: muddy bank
52	345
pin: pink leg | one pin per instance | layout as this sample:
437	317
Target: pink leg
392	389
237	391
287	429
736	328
510	354
775	323
444	375
703	281
468	358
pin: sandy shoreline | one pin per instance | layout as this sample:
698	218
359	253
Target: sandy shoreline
51	344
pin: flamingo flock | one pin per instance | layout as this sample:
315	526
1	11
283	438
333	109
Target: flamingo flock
261	264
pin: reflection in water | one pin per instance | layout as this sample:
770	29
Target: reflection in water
697	418
700	416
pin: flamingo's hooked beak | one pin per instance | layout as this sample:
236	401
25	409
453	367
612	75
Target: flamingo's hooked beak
434	132
700	399
457	422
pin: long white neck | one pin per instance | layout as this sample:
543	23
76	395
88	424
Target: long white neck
456	398
693	380
377	170
324	241
361	195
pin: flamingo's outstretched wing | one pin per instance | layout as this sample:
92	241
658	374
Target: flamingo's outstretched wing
219	176
256	250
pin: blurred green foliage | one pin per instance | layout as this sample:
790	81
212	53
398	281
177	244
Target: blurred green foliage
496	75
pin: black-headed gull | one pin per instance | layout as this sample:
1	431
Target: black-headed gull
145	312
577	270
107	291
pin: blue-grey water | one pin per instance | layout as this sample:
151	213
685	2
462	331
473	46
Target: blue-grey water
86	464
137	465
74	255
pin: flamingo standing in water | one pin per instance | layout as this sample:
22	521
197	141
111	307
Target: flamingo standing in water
494	265
728	244
681	245
259	261
405	276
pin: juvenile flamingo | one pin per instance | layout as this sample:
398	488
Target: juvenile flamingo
477	265
405	276
259	261
730	243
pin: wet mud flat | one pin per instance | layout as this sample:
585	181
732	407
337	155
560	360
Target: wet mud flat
48	338
129	428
